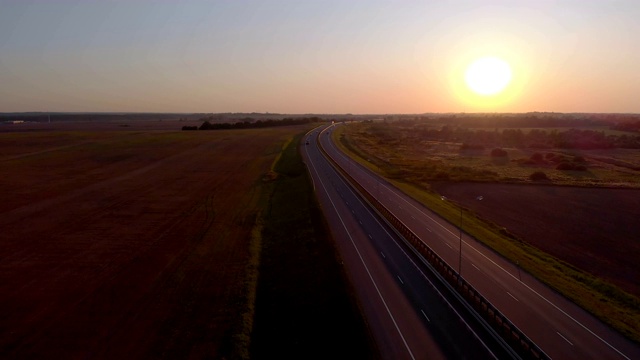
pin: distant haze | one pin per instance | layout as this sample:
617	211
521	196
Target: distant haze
315	56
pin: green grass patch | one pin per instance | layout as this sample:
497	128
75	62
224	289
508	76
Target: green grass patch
305	307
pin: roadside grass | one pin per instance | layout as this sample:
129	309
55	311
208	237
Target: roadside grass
419	161
304	305
608	302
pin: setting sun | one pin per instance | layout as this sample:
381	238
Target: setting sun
488	76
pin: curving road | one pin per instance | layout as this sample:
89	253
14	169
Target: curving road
559	327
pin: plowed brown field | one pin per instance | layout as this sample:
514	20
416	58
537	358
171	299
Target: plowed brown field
127	244
594	229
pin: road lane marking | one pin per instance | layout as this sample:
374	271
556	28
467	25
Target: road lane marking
364	264
477	268
370	237
402	282
450	247
514	298
514	277
368	210
360	222
425	315
565	339
381	253
411	261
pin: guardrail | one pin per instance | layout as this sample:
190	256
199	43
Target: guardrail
510	333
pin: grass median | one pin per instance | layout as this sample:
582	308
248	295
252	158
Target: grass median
305	307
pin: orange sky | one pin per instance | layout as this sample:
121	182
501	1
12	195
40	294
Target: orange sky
316	56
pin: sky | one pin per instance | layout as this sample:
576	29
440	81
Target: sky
320	57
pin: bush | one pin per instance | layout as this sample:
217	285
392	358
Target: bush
538	176
537	157
564	166
498	153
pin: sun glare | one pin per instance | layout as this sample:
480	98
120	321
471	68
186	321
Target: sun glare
488	76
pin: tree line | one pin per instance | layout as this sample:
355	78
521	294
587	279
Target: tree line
250	123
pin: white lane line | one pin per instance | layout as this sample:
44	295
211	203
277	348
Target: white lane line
477	268
370	237
450	247
584	327
402	282
565	339
514	298
375	285
424	276
413	217
381	253
360	222
425	315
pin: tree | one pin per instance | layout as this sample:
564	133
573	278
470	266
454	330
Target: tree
538	176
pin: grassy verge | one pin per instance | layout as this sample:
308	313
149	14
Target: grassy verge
609	303
304	307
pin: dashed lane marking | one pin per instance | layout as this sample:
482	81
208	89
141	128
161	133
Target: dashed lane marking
565	339
425	315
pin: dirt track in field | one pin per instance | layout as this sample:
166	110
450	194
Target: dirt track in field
131	245
594	229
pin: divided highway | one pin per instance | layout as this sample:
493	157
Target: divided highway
404	303
411	314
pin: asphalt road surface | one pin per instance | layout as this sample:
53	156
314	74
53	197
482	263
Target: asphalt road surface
559	327
411	314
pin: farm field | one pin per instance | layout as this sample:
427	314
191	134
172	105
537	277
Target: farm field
577	230
592	229
131	243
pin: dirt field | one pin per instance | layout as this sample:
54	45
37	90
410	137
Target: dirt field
594	229
100	230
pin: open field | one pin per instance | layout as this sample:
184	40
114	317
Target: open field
131	244
580	240
592	229
402	152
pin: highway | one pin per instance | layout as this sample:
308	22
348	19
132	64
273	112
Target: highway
411	314
560	328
